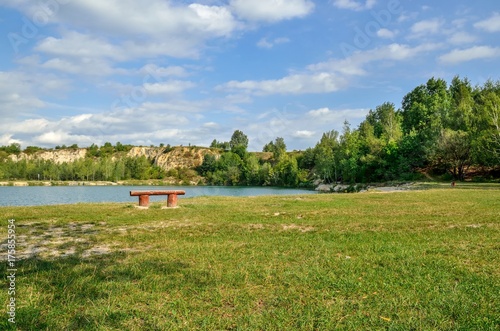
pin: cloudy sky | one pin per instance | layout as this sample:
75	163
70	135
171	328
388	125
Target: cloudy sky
184	72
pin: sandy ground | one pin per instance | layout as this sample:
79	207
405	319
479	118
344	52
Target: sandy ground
37	240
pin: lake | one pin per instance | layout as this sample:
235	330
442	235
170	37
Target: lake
53	195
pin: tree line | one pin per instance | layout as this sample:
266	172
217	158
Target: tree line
439	127
86	169
236	166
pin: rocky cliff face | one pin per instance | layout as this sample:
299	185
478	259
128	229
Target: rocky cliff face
56	156
166	158
177	157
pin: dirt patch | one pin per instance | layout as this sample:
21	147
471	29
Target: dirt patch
160	225
54	241
293	227
256	226
96	250
49	240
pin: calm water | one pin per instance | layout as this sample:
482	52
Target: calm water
51	195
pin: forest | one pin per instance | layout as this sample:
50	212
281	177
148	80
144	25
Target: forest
448	130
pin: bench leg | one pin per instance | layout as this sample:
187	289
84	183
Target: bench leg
144	200
172	200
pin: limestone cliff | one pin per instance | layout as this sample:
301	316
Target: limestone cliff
58	156
171	158
165	158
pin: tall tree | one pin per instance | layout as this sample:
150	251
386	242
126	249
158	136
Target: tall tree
349	154
424	110
488	143
461	116
326	156
277	147
454	152
238	139
239	143
386	122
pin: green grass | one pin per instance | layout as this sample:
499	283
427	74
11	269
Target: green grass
423	260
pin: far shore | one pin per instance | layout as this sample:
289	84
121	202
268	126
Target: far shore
386	187
150	182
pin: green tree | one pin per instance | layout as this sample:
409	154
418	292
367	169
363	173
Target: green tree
251	171
461	115
327	157
238	142
209	164
386	122
228	160
454	152
14	148
107	149
325	163
307	159
349	154
32	150
93	151
487	143
424	111
119	147
286	171
119	170
277	147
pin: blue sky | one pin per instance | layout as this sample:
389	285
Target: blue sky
183	72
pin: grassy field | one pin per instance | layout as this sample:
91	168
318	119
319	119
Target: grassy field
419	260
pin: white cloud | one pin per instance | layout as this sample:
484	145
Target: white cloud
29	126
82	66
157	72
457	56
215	20
491	24
271	10
386	33
462	37
6	139
61	137
319	112
170	87
136	125
406	16
265	43
293	84
211	125
354	5
355	64
136	30
75	44
329	76
327	115
426	27
18	94
303	134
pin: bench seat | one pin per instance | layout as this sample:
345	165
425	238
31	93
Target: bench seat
144	196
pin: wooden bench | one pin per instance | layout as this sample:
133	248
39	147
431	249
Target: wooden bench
144	197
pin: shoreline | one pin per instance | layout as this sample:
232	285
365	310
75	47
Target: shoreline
159	182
